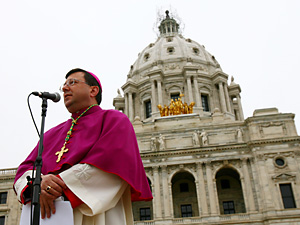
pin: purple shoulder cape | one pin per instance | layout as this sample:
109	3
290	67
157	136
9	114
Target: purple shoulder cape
102	138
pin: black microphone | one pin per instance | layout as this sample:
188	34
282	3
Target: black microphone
55	97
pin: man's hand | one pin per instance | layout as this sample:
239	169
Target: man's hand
51	188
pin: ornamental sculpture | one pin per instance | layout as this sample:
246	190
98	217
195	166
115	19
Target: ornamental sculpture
176	107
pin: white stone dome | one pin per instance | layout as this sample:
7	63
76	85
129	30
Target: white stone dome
170	51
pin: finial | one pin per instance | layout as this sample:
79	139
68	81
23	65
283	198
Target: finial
167	13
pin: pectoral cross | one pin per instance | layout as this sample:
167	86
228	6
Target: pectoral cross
60	153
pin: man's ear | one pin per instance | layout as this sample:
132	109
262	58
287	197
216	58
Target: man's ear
94	91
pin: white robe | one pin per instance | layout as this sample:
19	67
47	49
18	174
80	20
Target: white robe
106	197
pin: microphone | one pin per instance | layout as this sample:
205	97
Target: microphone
55	97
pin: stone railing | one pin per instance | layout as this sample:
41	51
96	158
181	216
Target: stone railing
145	223
11	171
242	218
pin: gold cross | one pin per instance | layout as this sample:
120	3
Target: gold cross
60	153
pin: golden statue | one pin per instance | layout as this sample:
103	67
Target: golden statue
176	107
191	107
171	108
166	110
160	110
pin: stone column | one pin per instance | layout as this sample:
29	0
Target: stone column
142	114
248	186
126	111
222	98
190	91
157	199
256	180
198	98
130	104
228	105
160	101
211	190
166	194
171	200
201	192
264	183
238	98
297	158
153	92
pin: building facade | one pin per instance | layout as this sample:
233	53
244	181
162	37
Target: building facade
10	208
205	163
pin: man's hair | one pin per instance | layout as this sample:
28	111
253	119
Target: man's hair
90	80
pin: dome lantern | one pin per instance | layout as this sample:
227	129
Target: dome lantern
168	26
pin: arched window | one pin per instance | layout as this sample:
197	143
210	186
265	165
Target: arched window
205	104
184	194
230	193
148	109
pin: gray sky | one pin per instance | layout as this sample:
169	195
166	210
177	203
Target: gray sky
257	42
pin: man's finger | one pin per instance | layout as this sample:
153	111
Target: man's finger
55	191
47	204
52	206
42	208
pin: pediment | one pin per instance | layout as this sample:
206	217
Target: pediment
284	177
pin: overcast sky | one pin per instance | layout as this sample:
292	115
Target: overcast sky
257	42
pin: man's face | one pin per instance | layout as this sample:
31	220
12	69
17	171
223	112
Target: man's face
77	96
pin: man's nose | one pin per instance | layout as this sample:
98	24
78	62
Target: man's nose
65	88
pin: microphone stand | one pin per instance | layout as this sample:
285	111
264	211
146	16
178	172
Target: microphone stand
38	163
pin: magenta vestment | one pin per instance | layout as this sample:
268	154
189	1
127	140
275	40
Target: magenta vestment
102	138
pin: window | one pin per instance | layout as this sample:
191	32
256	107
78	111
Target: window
186	210
287	196
279	162
184	187
196	51
3	197
225	184
175	96
204	99
2	220
146	56
145	214
170	50
148	109
228	207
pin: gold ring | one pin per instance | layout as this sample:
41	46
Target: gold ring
48	188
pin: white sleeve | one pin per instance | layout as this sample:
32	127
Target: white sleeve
99	190
20	184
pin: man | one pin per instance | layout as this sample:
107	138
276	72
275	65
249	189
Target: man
92	159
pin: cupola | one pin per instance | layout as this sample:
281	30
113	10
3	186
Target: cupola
169	26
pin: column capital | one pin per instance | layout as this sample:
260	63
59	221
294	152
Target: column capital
199	164
155	168
244	159
208	163
164	168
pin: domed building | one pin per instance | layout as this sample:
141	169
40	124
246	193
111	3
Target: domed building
205	163
174	66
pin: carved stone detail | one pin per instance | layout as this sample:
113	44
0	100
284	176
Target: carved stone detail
284	177
172	66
